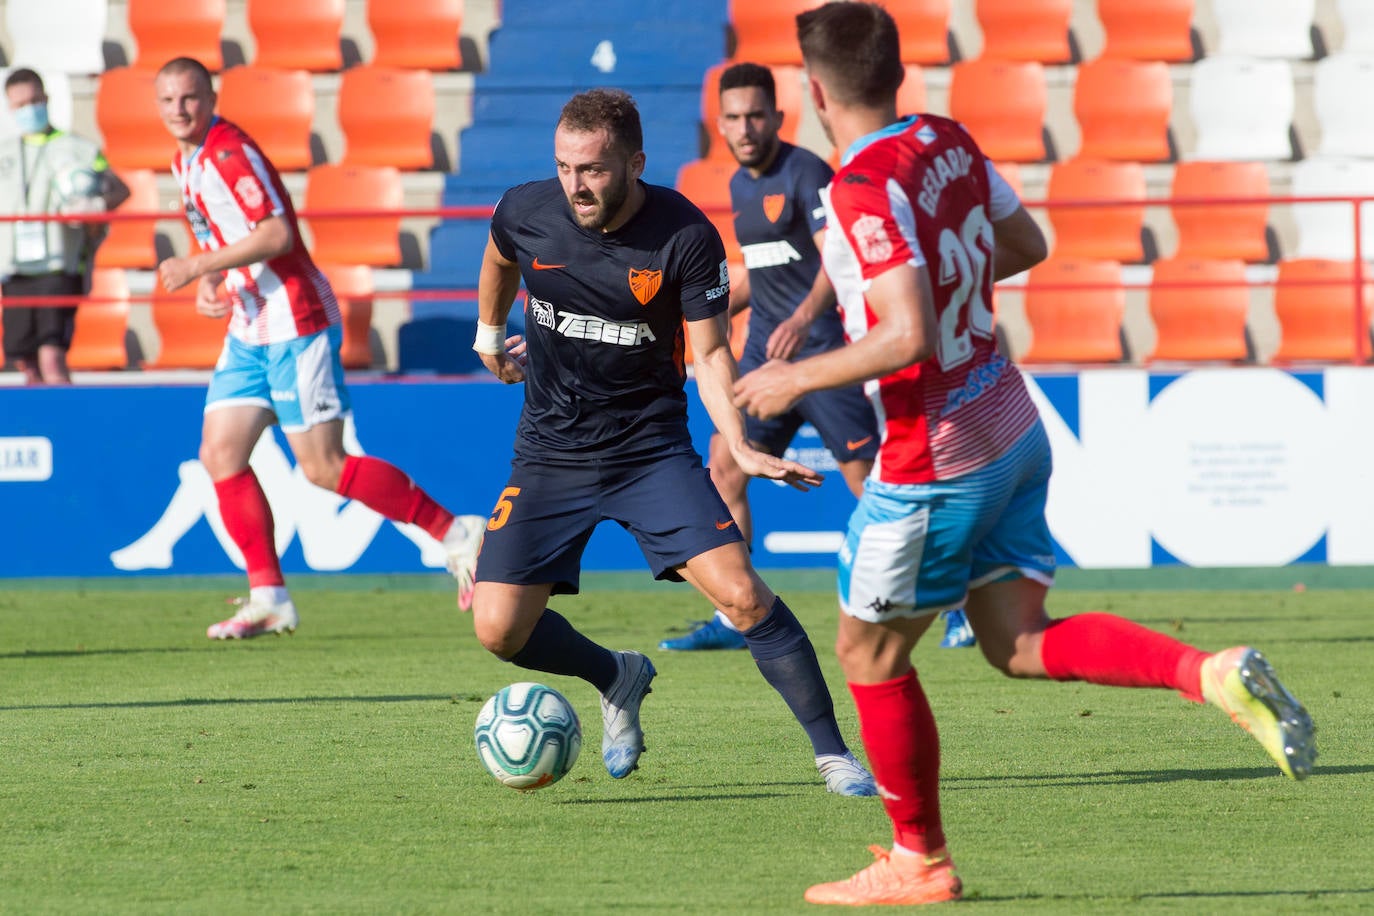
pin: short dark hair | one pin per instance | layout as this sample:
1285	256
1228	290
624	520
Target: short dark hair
853	48
750	76
611	109
187	65
24	76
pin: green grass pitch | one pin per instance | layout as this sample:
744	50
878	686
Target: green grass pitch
144	769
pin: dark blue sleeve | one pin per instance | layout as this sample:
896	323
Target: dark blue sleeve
814	173
501	221
699	263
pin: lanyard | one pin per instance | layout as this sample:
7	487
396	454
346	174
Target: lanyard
24	167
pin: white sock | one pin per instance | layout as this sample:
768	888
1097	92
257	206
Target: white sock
269	594
725	621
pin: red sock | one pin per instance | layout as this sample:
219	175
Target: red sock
386	489
1106	649
248	519
898	731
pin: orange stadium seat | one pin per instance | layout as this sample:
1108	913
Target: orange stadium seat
706	183
423	34
1221	230
387	115
374	242
187	339
1110	233
1003	104
1314	300
787	80
129	243
923	29
765	30
163	30
1072	325
98	342
1147	29
1204	321
353	288
725	225
297	34
1123	109
275	107
126	113
1026	29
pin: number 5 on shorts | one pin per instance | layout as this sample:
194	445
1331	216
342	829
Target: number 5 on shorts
501	514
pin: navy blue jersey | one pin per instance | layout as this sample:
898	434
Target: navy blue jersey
777	216
604	369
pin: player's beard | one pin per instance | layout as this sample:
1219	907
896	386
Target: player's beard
608	205
763	151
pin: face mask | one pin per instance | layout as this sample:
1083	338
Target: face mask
32	119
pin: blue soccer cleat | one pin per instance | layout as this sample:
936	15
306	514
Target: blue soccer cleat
708	634
958	634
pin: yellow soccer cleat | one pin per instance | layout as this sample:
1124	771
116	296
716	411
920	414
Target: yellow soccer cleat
894	880
1243	684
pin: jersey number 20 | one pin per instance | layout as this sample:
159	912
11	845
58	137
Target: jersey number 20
964	261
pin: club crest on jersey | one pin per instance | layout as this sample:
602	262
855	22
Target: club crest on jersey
249	191
645	283
772	206
875	246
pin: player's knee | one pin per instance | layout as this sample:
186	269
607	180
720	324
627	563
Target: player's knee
742	603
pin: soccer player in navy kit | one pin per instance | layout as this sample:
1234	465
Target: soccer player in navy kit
612	266
780	223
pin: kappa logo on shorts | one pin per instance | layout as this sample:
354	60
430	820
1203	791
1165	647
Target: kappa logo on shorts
645	283
772	206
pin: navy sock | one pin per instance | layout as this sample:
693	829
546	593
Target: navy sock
555	647
787	661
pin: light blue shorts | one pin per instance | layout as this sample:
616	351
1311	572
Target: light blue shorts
302	380
917	549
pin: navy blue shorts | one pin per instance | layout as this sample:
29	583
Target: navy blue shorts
843	417
547	513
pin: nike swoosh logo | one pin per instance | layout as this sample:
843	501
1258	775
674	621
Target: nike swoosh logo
537	266
851	444
721	526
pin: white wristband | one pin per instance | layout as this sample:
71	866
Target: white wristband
491	338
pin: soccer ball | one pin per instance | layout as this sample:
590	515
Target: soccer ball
528	736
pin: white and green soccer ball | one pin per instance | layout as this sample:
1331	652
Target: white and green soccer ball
528	736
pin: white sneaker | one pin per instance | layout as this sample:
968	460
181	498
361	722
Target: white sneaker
622	740
844	775
256	618
462	542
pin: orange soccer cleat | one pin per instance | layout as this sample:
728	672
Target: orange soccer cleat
894	879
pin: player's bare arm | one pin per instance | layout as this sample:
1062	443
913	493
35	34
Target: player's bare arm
788	337
270	238
497	285
904	334
1020	244
716	373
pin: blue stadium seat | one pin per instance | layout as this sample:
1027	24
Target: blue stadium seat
632	53
440	346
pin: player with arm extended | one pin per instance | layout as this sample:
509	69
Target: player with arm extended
921	225
280	363
611	267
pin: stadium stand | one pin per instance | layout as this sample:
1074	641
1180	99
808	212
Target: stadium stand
297	34
1035	30
923	27
184	28
354	290
1264	28
1221	230
1242	108
98	342
276	108
386	115
1160	30
1357	23
1003	104
1326	230
130	243
187	339
1342	86
416	33
1074	309
763	31
706	183
58	35
911	97
1315	305
374	242
1106	233
1199	310
134	137
1123	109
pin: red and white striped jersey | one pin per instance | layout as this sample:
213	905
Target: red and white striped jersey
228	186
920	192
